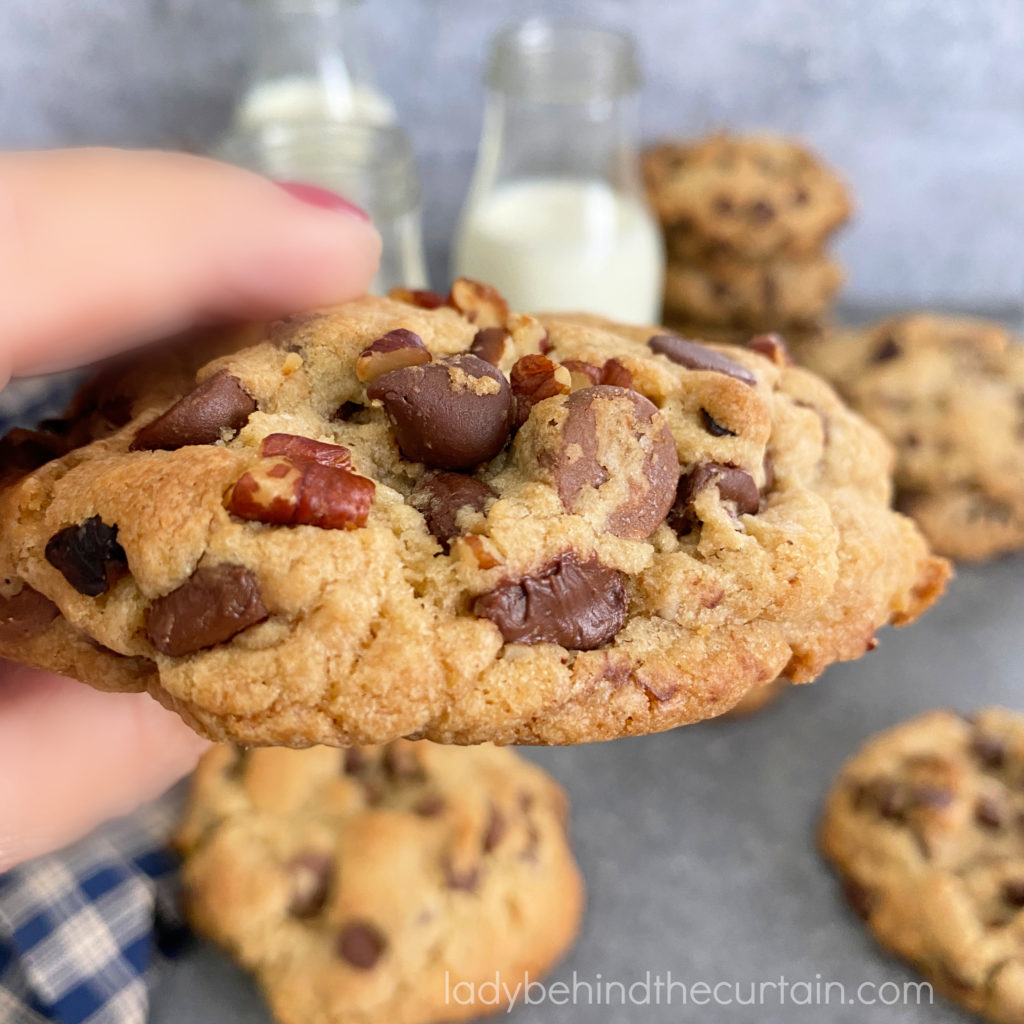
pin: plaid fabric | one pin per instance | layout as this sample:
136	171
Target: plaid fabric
79	929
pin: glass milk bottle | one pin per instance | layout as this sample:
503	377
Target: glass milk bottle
309	62
556	217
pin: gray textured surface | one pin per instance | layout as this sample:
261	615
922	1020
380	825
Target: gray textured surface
698	844
920	102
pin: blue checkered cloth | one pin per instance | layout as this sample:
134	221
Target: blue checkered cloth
82	930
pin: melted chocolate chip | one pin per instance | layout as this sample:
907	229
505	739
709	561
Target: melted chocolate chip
579	605
209	608
453	413
989	813
490	343
734	484
311	881
88	556
439	497
361	944
25	615
990	751
1013	892
495	831
712	426
219	403
889	349
696	357
577	464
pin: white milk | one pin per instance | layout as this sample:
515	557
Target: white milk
565	244
298	98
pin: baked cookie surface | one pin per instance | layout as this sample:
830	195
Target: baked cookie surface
753	197
948	392
361	529
924	827
365	885
776	295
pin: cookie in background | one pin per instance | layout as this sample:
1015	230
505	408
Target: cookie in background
948	392
386	884
746	221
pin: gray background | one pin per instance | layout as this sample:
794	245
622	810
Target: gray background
696	844
919	102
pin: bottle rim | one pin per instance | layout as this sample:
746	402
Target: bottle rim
563	61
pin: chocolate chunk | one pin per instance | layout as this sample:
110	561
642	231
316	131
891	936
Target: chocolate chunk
579	605
88	556
440	497
578	463
1013	892
311	881
989	812
210	607
696	357
453	413
772	347
889	349
712	426
495	831
361	944
733	484
219	403
989	750
25	615
490	344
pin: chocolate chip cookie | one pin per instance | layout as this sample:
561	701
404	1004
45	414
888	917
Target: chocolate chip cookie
949	394
427	516
924	827
751	197
384	884
778	295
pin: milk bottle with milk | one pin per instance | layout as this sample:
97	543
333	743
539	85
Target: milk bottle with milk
555	216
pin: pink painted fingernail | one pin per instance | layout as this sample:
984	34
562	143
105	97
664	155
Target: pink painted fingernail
322	197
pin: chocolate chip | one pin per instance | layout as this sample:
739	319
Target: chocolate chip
989	750
25	615
490	344
88	556
722	206
236	769
453	413
579	605
712	426
1013	892
890	348
734	485
403	764
439	497
429	806
311	881
464	880
581	459
346	411
761	212
209	608
860	899
989	812
361	944
23	451
495	830
354	761
219	403
772	347
696	357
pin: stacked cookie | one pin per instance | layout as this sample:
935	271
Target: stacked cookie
746	222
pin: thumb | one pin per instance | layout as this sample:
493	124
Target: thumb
101	249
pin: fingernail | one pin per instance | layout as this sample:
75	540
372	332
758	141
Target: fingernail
322	197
